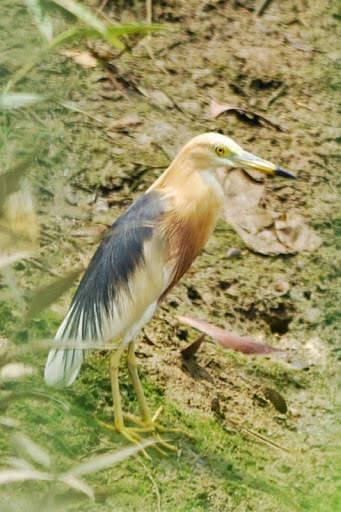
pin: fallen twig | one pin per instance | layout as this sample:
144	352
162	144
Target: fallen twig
265	5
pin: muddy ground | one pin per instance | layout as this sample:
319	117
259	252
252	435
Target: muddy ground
106	133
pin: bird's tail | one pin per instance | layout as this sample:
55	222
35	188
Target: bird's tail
63	365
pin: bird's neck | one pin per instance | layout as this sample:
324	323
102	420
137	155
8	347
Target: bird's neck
194	194
189	178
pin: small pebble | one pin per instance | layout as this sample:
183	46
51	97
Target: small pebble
312	315
282	287
233	253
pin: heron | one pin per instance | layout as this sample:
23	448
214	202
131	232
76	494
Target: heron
139	260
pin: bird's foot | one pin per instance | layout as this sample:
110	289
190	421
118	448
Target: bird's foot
133	435
152	425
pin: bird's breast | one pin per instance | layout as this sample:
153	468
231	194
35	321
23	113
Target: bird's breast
192	216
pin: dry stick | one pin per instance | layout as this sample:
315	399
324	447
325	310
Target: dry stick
240	427
265	5
277	95
149	14
156	488
103	4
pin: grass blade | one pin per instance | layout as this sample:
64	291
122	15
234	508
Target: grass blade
41	18
20	475
18	99
18	463
108	459
77	484
83	14
10	180
9	422
29	447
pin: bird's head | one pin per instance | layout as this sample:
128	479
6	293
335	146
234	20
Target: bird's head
212	150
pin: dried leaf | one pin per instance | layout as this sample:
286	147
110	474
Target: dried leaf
263	231
157	97
294	43
276	399
83	58
228	339
193	348
294	234
130	120
25	445
216	109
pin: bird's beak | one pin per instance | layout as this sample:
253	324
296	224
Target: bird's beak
245	159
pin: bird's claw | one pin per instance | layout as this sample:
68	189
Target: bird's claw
133	435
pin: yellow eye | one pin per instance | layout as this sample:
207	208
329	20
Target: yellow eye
220	150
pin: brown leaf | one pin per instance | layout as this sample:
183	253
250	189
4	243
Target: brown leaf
263	231
294	234
192	349
298	45
228	339
128	121
216	109
159	98
276	399
82	58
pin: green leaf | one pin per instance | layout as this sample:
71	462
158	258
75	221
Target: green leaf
50	293
83	14
10	180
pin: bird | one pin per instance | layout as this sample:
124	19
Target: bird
140	259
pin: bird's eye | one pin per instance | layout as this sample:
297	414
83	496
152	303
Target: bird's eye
220	150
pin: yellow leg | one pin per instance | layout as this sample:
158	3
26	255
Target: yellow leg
114	364
132	368
115	388
148	423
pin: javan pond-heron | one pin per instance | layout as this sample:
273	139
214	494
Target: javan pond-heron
143	255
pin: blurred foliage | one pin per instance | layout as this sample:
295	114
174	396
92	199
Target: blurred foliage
19	235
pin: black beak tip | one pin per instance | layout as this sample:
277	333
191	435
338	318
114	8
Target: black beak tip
285	174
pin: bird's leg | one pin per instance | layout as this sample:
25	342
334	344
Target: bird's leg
132	368
148	423
114	364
